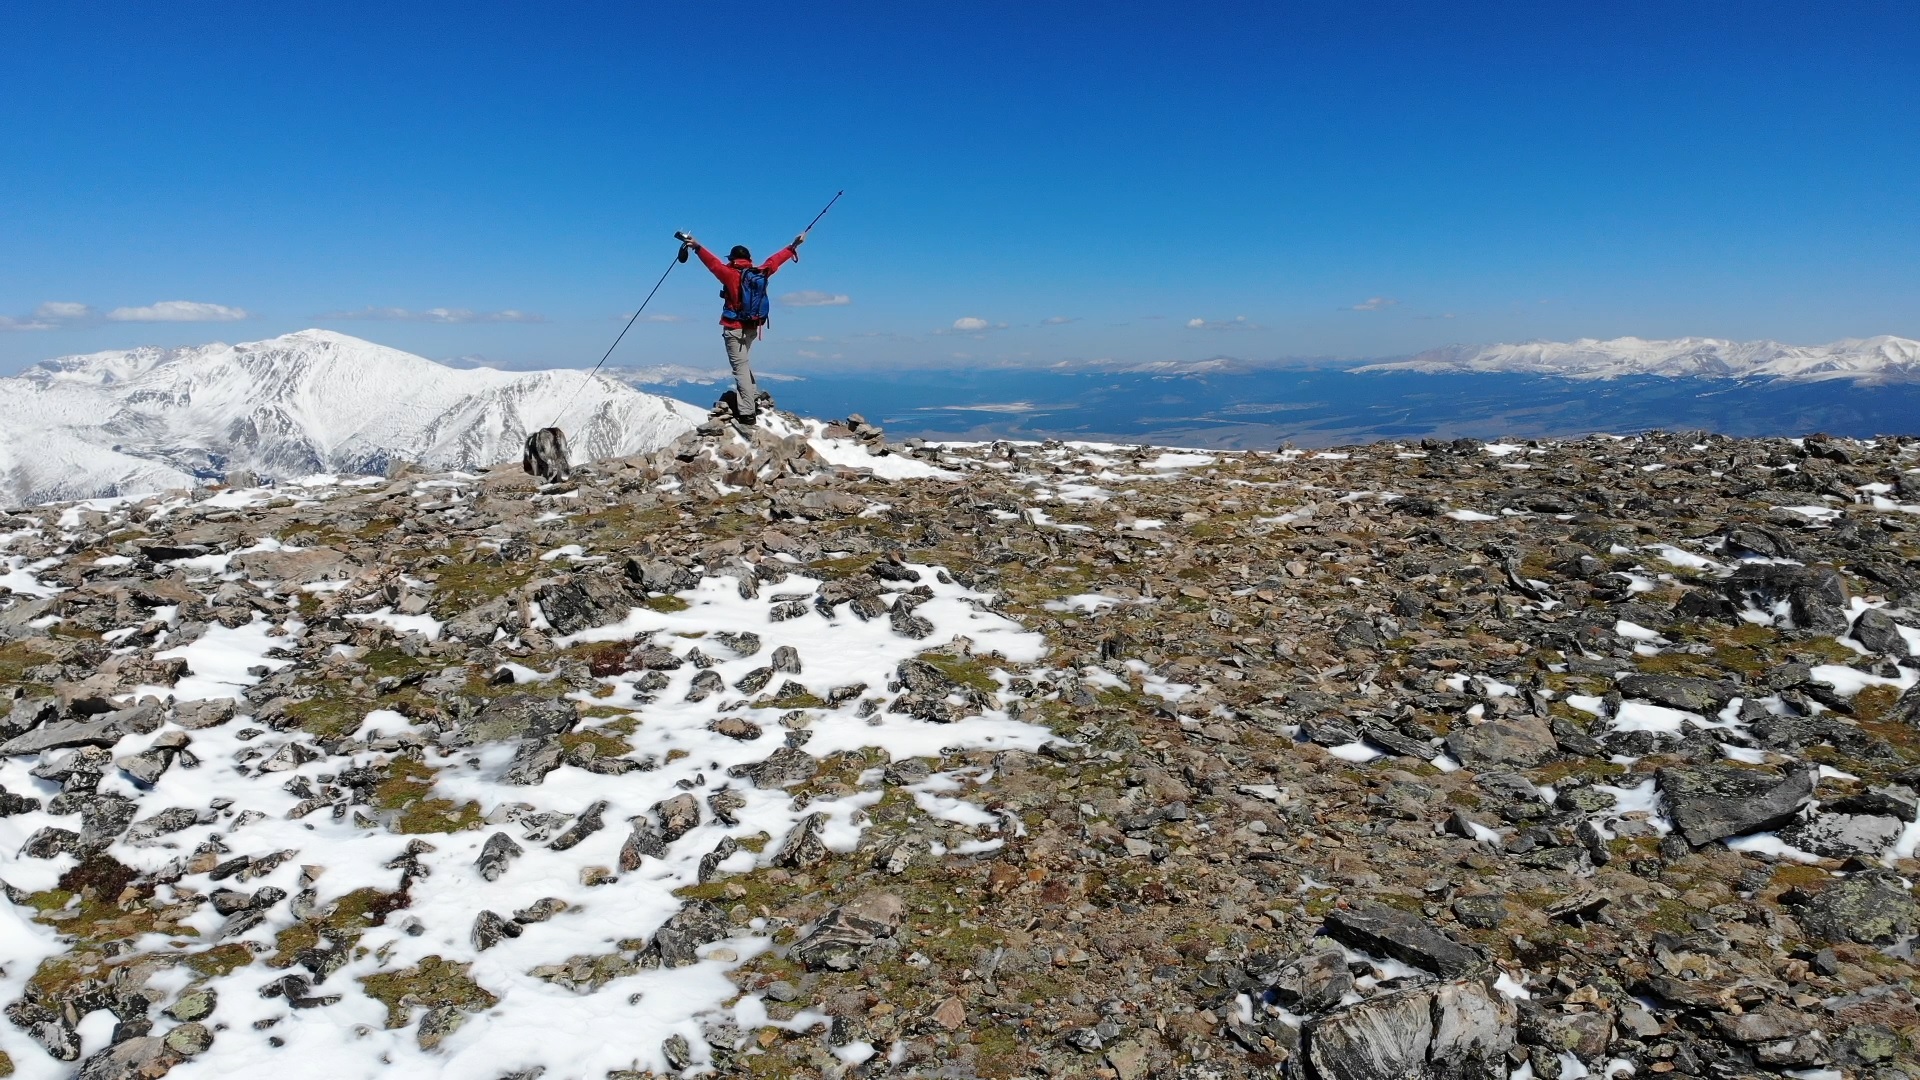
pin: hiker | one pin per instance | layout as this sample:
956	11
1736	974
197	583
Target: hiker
744	318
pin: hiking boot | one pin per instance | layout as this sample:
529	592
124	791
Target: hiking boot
750	419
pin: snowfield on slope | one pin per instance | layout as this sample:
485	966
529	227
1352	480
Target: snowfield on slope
1877	359
250	795
141	420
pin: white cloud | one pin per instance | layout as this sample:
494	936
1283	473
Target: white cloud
1058	320
665	318
432	315
178	311
815	298
972	324
1238	322
1375	303
48	316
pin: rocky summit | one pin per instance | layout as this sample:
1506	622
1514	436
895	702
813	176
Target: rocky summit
785	751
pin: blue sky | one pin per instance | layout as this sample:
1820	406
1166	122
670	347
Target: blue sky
1073	181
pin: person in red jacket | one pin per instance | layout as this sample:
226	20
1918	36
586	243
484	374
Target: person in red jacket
741	328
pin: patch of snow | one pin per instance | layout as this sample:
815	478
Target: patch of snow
404	624
1040	517
1771	845
1158	685
1588	703
1848	681
1640	716
220	658
1085	602
1175	459
20	576
1635	632
1512	987
1642	798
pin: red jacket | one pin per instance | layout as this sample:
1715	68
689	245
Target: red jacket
729	275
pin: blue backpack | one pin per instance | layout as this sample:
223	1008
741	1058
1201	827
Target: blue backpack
753	296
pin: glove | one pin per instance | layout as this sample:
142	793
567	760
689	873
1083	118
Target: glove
798	240
687	239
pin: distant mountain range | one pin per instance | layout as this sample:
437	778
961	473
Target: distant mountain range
1882	359
148	419
315	401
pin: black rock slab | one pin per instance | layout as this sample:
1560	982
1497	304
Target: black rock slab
1713	802
1385	931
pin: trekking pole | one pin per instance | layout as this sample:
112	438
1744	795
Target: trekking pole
678	258
823	212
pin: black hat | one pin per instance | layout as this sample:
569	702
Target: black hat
739	252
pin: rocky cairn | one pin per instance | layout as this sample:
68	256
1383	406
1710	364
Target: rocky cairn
1586	758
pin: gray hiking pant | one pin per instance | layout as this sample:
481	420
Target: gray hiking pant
739	344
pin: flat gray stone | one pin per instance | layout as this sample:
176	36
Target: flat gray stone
1840	836
1713	802
1522	741
1385	931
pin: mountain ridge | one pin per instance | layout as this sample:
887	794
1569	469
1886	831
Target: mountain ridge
313	401
1879	359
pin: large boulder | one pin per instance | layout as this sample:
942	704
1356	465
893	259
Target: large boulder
583	602
1872	907
1312	982
103	730
139	1058
1842	836
1448	1031
1713	802
480	624
1385	931
1816	595
1519	741
1875	629
1703	696
520	716
842	939
289	568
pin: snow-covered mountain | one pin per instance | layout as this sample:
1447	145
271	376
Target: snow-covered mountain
1875	359
315	401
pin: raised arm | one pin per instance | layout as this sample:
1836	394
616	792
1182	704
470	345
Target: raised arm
791	251
714	263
